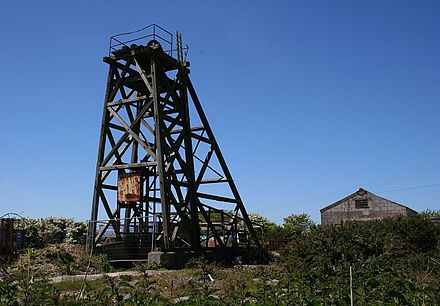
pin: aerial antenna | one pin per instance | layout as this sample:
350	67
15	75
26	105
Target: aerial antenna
179	47
182	53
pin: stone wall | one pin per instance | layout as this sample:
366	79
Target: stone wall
378	208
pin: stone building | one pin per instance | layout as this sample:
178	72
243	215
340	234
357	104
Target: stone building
362	205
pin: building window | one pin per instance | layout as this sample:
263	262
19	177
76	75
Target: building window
361	203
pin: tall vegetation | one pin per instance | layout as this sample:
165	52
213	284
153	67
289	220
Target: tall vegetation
41	232
394	262
293	226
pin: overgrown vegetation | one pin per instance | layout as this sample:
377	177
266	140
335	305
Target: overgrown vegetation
42	232
293	226
59	259
394	262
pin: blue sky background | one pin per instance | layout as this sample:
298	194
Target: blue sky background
309	100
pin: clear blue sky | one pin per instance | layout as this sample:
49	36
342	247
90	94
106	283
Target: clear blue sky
309	100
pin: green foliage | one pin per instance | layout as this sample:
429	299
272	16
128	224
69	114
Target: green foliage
63	258
41	232
147	266
76	232
394	262
263	221
298	224
430	214
197	263
32	232
102	263
294	225
26	286
146	292
201	289
267	228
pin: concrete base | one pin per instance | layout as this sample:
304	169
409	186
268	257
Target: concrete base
171	260
229	256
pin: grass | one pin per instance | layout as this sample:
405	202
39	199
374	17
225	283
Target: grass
75	284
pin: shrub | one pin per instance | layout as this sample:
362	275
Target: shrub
41	232
101	263
393	261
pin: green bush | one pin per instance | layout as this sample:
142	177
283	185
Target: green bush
102	263
42	232
395	261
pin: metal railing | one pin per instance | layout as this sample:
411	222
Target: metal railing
142	37
229	227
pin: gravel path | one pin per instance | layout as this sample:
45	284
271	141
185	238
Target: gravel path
62	278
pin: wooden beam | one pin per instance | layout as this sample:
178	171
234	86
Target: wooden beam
127	101
122	139
128	166
215	197
201	138
194	129
133	134
144	78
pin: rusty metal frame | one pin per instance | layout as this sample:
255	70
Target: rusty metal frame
146	129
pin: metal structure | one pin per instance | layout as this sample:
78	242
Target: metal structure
11	239
161	182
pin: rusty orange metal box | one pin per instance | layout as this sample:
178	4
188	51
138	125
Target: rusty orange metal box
129	187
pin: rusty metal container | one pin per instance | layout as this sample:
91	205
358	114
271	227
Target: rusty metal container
129	187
